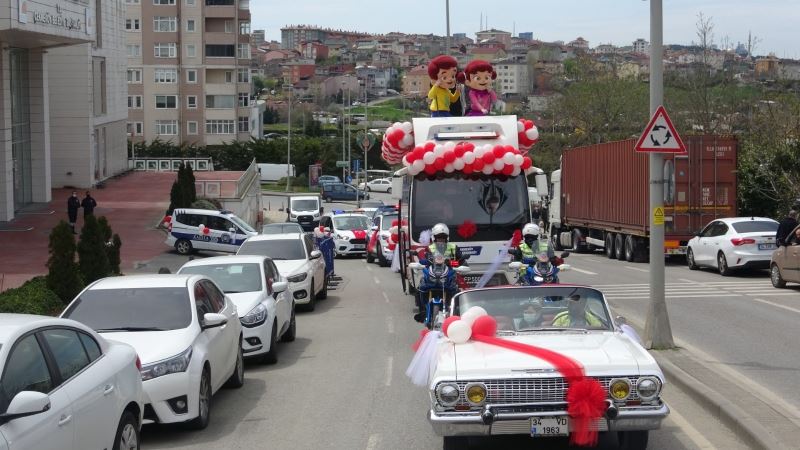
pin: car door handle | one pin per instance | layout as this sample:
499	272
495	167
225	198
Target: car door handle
108	389
65	419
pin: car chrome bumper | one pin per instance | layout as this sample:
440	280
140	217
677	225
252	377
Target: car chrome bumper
472	424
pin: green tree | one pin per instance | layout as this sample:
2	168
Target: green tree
63	276
92	257
259	83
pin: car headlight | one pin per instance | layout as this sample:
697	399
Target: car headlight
648	388
297	278
256	316
176	364
619	388
344	238
448	394
475	393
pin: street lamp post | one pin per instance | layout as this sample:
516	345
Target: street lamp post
447	15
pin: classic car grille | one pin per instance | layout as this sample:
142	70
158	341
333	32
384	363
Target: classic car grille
533	390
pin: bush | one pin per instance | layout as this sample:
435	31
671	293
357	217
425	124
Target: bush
63	275
301	181
203	203
33	297
92	256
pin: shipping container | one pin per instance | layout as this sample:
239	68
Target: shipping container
601	195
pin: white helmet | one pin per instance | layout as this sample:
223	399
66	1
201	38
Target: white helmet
440	228
530	229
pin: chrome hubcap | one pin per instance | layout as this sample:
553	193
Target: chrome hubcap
204	394
127	440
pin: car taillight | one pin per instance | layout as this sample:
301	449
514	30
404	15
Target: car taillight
138	363
742	241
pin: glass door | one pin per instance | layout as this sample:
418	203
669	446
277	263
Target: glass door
20	127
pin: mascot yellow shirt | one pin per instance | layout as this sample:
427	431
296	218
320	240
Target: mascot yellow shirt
441	98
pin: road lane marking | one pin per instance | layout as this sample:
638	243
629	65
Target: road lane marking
385	297
373	441
377	281
691	432
582	271
637	269
368	267
390	324
777	305
389	362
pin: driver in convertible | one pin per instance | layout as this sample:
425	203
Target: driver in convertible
576	315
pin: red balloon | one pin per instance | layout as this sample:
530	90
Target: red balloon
395	223
439	163
508	169
391	246
498	151
526	163
459	150
484	326
488	157
430	170
206	230
477	166
395	238
410	157
510	149
167	219
447	322
449	157
467	169
468	147
429	146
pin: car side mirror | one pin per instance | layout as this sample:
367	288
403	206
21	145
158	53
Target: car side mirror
564	267
564	255
315	254
279	286
24	404
516	265
213	320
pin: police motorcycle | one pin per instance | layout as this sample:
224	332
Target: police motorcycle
438	284
539	270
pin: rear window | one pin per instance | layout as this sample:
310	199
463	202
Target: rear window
159	308
277	249
756	226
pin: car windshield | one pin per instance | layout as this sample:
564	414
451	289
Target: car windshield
232	278
387	220
242	224
281	228
305	205
539	308
351	223
276	249
133	309
756	226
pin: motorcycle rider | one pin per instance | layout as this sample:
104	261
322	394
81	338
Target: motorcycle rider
431	279
532	246
441	245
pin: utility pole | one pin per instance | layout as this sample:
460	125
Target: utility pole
289	145
657	333
447	16
344	133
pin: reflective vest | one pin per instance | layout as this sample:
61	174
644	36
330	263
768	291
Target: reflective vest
539	247
449	251
563	319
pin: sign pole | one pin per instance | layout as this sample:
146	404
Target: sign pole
658	334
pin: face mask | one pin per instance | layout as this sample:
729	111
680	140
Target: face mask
75	195
530	317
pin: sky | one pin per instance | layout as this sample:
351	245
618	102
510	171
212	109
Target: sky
618	22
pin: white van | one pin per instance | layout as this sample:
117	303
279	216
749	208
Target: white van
305	210
226	232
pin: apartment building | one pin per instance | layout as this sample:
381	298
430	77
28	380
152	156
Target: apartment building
513	77
189	71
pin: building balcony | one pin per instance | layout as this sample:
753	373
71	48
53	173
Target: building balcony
220	11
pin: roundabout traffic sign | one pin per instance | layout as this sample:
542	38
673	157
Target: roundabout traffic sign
660	135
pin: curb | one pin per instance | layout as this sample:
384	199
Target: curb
750	431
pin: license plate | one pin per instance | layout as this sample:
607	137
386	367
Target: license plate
358	246
549	426
766	246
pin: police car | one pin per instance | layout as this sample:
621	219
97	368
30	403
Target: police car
349	231
204	229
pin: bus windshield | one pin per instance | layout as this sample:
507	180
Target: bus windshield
498	205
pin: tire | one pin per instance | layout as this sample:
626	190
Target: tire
389	191
368	190
291	333
323	294
455	442
690	259
555	240
609	247
183	247
271	357
722	265
127	436
310	306
630	248
382	261
204	411
633	440
237	377
619	246
775	277
328	199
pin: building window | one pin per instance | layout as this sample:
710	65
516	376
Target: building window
133	50
132	2
220	127
165	76
243	75
228	76
220	101
191	101
164	50
163	2
166	101
132	25
244	27
191	127
191	51
190	26
220	51
99	86
190	3
135	128
165	24
191	76
134	76
244	124
244	99
219	2
244	51
135	101
167	127
229	26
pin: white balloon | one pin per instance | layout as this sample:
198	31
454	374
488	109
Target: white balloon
516	171
458	164
448	168
438	150
508	158
407	141
472	314
520	127
418	165
488	148
498	164
478	152
488	169
459	331
449	146
469	157
396	125
533	134
405	161
412	171
407	127
201	227
478	311
429	157
518	159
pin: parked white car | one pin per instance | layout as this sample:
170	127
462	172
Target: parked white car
256	287
477	389
380	250
297	261
733	243
65	387
187	334
378	185
349	232
205	229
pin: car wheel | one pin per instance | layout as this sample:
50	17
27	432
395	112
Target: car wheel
389	191
311	299
328	199
291	333
609	246
127	437
775	276
368	189
382	261
237	377
690	259
633	440
183	247
323	294
204	399
722	265
619	246
455	442
271	357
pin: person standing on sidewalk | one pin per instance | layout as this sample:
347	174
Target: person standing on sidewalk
88	204
785	228
72	210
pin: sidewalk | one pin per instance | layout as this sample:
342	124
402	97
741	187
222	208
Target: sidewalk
133	205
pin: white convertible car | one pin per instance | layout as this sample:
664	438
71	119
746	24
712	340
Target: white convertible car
479	389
